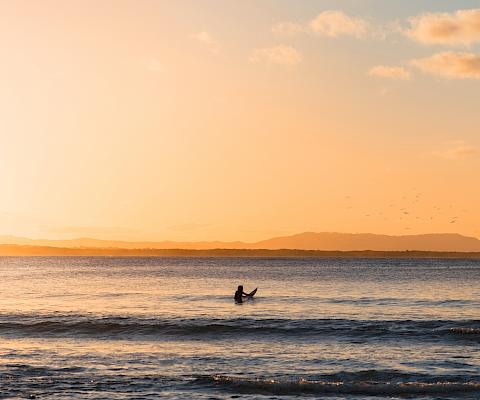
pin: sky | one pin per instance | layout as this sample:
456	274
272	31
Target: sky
238	120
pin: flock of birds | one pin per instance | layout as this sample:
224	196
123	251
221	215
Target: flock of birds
409	213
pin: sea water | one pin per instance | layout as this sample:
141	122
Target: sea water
139	328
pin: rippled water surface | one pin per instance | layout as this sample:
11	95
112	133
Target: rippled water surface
133	328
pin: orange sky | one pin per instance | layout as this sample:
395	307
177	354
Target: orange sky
201	120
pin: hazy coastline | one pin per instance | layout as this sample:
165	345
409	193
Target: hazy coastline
19	250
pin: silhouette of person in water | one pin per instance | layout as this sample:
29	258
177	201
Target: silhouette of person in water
239	294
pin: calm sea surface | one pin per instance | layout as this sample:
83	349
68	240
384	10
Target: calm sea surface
137	328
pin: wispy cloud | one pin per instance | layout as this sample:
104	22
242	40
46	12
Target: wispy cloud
207	40
459	28
384	71
451	65
288	28
334	23
330	23
281	54
455	150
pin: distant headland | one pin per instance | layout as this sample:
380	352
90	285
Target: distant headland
308	244
38	251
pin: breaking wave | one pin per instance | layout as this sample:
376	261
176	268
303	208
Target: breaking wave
119	327
373	383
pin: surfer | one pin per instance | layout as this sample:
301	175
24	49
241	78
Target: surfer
239	294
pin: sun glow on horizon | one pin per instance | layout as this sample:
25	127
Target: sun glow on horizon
206	120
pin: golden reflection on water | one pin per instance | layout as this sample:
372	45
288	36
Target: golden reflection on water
90	287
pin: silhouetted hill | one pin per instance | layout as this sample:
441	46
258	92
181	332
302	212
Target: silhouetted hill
327	241
368	241
101	243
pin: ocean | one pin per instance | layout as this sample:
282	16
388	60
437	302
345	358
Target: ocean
140	328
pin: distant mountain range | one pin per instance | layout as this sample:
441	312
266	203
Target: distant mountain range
327	241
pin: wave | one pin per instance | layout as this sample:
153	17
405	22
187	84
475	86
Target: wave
465	331
373	383
120	327
405	302
384	383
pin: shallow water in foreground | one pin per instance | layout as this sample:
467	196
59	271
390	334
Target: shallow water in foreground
133	328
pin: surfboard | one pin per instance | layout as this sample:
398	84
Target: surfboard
247	297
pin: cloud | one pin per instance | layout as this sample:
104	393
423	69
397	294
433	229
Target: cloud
459	28
451	65
281	54
383	71
334	23
288	28
457	149
208	40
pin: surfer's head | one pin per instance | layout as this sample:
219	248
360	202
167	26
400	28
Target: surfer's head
240	288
